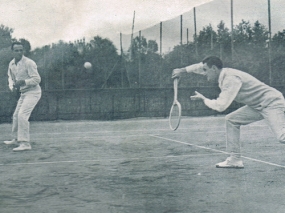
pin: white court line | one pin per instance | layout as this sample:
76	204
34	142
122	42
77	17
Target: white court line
102	136
208	129
114	131
218	152
104	160
190	144
96	133
261	161
90	137
215	150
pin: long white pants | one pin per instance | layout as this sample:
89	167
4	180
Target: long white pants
24	108
273	115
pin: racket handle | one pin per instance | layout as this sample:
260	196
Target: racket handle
175	86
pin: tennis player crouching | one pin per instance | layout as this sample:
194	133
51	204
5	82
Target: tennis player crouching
261	102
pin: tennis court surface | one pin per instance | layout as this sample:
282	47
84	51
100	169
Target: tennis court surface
141	166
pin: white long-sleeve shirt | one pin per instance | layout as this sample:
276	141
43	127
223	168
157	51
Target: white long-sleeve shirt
25	69
241	87
196	68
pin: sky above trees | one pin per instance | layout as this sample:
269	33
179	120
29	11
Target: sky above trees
44	22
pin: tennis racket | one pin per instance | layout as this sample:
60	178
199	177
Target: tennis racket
175	111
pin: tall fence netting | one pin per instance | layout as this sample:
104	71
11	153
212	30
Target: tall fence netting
146	58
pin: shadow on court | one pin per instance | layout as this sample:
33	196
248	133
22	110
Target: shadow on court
140	166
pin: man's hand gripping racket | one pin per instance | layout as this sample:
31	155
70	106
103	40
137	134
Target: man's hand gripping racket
175	111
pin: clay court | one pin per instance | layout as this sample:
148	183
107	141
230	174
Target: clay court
141	166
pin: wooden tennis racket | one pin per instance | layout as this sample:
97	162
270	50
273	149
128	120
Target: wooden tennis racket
175	111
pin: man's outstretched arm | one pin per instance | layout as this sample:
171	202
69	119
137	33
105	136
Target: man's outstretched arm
194	68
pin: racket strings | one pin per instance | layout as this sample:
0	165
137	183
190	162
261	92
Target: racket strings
174	118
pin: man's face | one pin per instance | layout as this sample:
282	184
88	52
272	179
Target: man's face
211	73
18	51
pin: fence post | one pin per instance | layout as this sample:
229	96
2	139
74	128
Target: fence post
181	39
269	44
45	70
161	60
140	37
62	71
195	30
181	29
232	29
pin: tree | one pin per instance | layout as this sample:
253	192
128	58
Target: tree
26	45
242	33
102	53
259	34
139	46
152	46
206	39
224	40
278	40
144	63
5	36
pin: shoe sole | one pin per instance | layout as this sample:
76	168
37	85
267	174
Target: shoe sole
18	150
229	167
7	143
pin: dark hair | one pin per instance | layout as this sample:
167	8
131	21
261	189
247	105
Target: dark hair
16	43
213	60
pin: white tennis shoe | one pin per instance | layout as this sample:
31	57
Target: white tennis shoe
231	162
22	147
14	141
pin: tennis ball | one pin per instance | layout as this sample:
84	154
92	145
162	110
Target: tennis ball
87	65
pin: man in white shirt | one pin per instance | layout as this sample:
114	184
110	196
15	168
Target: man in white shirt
23	76
261	102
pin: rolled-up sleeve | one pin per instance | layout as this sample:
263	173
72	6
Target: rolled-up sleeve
229	90
34	77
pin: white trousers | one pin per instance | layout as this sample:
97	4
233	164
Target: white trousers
273	115
24	108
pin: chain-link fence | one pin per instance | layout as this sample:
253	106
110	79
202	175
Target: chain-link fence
246	35
243	34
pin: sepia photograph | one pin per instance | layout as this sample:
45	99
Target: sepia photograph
142	106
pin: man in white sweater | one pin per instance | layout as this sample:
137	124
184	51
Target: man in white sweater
23	76
261	102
